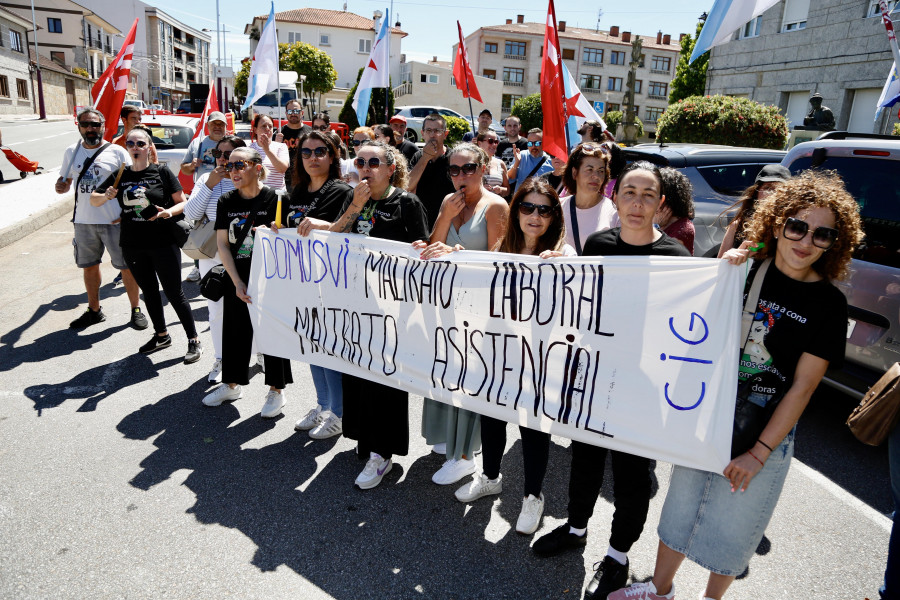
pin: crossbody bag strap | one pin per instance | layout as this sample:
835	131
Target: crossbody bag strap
752	301
573	222
537	166
84	168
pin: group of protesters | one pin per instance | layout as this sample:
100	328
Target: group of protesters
484	194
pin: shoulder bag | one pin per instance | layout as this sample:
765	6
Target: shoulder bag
201	242
879	412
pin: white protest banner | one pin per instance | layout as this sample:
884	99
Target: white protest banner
637	354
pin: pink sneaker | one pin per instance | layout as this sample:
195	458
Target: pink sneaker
641	591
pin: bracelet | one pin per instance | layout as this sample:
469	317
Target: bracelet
766	445
750	452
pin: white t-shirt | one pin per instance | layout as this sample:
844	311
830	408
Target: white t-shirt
597	218
102	167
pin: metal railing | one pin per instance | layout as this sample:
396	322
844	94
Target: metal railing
660	71
515	57
514	83
587	63
657	97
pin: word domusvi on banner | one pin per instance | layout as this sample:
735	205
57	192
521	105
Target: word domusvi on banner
637	354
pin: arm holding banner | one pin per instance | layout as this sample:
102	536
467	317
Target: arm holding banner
361	194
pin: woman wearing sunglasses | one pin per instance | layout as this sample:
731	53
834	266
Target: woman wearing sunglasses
249	205
376	415
275	155
535	228
587	209
348	170
317	199
149	194
496	179
202	203
806	231
472	218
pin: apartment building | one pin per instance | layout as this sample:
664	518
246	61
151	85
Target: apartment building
598	60
16	95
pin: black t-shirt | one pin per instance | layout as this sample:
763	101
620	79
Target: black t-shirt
232	213
407	149
505	150
325	203
609	243
434	185
399	217
292	137
139	190
792	317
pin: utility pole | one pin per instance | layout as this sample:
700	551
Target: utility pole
37	66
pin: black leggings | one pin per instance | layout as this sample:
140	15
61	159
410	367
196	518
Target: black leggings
153	267
535	452
632	486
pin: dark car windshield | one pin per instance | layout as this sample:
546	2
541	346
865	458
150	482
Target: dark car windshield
730	180
875	184
271	100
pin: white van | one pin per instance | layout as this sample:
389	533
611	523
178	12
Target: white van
269	104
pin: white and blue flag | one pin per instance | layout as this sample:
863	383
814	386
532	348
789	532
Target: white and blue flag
263	76
726	17
376	73
578	108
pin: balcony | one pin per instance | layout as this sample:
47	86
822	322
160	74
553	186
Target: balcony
587	63
513	83
594	91
515	57
660	71
656	97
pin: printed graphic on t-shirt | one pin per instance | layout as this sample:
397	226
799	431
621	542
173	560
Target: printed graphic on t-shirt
91	179
136	196
366	220
246	249
757	366
208	159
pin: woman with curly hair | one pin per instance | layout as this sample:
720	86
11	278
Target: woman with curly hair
769	178
674	216
804	234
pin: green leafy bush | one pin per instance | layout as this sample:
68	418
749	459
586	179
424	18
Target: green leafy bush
456	129
896	129
529	111
80	71
723	120
614	117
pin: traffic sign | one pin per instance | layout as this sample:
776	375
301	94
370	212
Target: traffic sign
598	106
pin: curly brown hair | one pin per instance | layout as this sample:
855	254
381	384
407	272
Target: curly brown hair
810	189
513	240
576	157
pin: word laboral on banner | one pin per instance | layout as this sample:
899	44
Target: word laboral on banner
637	354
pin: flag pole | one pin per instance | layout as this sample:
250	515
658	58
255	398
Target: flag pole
387	90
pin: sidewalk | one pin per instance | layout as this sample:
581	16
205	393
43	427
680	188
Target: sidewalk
29	204
32	117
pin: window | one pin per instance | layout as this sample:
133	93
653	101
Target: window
751	28
637	110
365	46
592	55
54	25
489	73
507	101
660	63
795	13
22	89
653	113
324	39
58	57
15	40
614	84
617	58
514	48
4	86
334	102
293	37
875	8
590	82
568	54
611	107
658	89
429	78
490	47
513	75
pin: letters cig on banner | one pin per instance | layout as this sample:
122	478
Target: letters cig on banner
637	354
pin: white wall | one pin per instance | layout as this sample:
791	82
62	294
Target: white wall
862	113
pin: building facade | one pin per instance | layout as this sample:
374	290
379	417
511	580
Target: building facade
837	48
16	93
598	60
63	89
433	84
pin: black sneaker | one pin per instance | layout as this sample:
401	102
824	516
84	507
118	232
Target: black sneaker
195	350
90	317
558	541
138	320
158	342
611	575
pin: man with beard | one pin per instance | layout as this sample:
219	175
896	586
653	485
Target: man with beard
198	159
429	178
290	135
88	163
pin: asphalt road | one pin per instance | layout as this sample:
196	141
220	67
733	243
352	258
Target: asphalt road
118	483
40	141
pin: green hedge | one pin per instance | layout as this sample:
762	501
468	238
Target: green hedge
723	120
456	129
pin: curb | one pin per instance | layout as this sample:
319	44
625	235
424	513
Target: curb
17	231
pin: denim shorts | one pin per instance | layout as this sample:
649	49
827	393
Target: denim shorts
716	528
90	240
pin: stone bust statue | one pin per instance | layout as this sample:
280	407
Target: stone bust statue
819	117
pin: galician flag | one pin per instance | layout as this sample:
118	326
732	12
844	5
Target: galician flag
376	73
724	18
264	69
891	92
578	108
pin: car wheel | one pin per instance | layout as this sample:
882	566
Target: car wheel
411	135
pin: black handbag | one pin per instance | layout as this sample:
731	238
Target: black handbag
214	283
180	230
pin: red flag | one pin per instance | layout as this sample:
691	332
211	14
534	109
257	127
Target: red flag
109	91
553	91
462	72
212	105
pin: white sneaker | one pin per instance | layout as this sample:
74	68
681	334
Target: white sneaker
194	275
479	487
439	448
641	591
329	426
312	418
453	470
215	374
375	470
530	517
261	361
221	394
275	400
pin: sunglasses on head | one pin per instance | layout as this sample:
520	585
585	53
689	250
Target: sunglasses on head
293	111
590	148
139	144
90	124
544	210
320	152
373	163
238	165
822	237
226	154
466	169
536	144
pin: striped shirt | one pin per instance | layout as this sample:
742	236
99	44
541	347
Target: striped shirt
274	179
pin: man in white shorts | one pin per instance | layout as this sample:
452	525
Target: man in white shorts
88	163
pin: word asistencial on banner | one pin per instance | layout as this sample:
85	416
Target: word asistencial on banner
633	353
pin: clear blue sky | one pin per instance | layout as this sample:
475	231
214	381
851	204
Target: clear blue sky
431	24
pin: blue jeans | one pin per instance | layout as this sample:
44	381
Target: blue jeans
891	588
329	389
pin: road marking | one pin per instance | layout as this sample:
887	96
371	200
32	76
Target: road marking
843	495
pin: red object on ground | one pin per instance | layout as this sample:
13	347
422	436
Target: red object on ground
20	162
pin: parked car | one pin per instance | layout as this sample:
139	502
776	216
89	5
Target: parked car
139	103
719	174
172	135
415	116
870	167
184	107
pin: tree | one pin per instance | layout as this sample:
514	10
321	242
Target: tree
614	117
690	79
723	120
303	59
376	105
529	111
